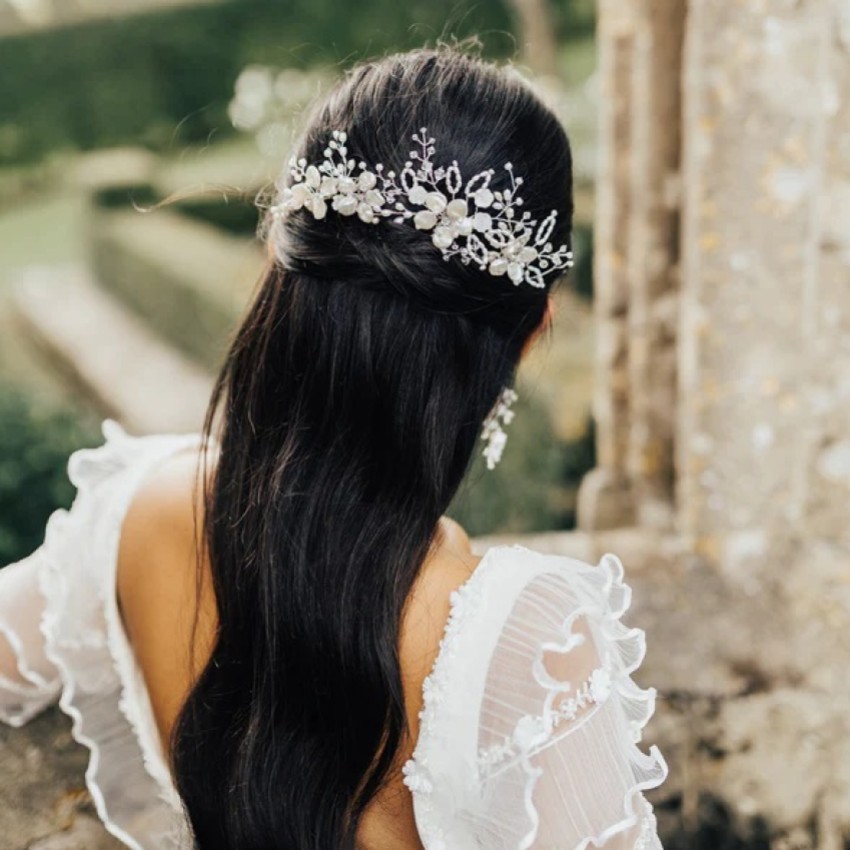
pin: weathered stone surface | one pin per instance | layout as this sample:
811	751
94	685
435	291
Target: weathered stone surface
636	259
122	368
610	403
736	367
605	500
189	281
766	294
43	799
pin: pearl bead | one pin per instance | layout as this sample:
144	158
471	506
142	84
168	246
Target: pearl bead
498	267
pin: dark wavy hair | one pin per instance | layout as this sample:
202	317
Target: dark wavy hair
347	412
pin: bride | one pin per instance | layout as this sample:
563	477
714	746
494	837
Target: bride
268	634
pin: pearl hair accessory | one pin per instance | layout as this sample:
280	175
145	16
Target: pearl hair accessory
493	434
471	221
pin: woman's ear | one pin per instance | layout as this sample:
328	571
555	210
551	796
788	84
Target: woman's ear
545	324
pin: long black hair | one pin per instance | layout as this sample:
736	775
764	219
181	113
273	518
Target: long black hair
347	413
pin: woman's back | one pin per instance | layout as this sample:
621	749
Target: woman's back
157	583
523	717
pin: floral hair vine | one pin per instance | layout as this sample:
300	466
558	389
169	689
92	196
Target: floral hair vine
470	221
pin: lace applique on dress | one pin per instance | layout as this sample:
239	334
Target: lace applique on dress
554	720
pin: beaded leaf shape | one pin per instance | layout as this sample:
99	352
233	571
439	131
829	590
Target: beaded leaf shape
469	220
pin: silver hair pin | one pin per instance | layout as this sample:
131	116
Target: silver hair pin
468	220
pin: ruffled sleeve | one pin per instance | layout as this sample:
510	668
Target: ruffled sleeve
536	669
29	681
61	636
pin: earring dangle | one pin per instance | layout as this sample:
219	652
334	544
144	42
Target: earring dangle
493	434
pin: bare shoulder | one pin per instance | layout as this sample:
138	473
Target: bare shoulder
389	819
450	565
160	519
157	581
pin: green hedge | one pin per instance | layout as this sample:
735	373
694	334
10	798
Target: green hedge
164	79
35	442
534	486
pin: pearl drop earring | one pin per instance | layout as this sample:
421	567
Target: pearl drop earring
493	434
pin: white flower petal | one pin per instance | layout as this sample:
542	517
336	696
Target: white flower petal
425	220
457	209
318	207
482	221
417	194
435	201
483	198
516	272
366	181
345	204
312	177
366	213
443	236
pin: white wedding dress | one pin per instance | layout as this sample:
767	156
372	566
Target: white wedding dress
531	720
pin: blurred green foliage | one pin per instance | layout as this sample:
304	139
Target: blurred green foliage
164	79
533	488
582	275
237	216
530	490
35	442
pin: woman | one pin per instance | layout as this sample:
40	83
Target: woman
326	664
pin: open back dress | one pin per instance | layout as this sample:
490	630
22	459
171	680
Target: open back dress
531	724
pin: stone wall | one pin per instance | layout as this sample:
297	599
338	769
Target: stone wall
723	399
723	275
763	444
636	264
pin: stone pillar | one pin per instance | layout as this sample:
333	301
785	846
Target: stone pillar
825	499
636	257
653	236
762	446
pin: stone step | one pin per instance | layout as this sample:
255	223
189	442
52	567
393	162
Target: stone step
189	281
118	364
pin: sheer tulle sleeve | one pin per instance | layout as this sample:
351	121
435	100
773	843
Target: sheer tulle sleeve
536	668
61	636
28	680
